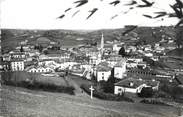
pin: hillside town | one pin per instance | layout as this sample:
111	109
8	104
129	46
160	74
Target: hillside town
133	67
114	70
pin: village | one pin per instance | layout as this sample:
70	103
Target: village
131	68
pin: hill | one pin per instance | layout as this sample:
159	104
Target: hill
19	102
142	35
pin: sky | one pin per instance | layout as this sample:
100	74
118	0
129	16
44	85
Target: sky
43	14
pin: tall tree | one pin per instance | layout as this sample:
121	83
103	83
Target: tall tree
21	49
122	52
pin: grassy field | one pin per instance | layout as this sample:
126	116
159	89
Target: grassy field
20	102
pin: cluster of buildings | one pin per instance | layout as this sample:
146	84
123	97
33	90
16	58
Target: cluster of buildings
101	62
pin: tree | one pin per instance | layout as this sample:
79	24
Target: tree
146	92
21	49
40	48
179	36
122	52
45	52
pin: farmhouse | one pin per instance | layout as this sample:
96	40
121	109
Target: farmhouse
134	85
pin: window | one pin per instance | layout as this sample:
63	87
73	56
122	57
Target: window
102	77
119	89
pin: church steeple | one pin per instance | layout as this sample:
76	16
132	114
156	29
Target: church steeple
102	44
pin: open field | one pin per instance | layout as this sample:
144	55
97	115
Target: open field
20	102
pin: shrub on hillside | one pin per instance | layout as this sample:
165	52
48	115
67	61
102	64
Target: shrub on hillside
157	102
23	79
42	86
146	92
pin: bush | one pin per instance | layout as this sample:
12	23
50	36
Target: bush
162	94
174	91
146	92
42	86
157	102
106	87
14	79
106	96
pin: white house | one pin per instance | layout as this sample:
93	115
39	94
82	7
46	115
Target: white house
135	59
120	69
148	54
68	65
131	85
49	62
103	73
131	49
116	47
33	53
18	55
40	69
95	60
6	57
113	60
131	64
142	64
43	56
17	65
78	72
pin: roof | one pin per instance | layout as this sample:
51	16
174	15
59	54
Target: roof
43	60
104	69
130	61
37	67
143	70
78	71
136	83
179	78
103	66
121	63
17	60
114	58
29	67
18	53
53	55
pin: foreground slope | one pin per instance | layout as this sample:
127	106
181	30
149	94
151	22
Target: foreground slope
20	102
